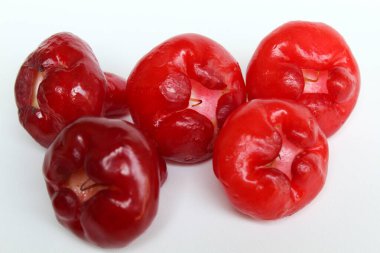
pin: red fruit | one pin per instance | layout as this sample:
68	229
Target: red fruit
59	82
103	178
115	104
181	92
311	64
271	157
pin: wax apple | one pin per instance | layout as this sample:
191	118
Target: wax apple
103	178
311	64
180	94
115	104
59	82
271	157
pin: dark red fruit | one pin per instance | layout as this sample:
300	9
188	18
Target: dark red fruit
58	83
103	178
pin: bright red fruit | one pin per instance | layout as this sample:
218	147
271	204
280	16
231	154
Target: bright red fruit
309	63
115	104
181	92
103	178
59	82
271	157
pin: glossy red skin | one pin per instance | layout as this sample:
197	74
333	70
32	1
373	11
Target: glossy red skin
59	82
276	71
271	157
103	178
165	89
115	104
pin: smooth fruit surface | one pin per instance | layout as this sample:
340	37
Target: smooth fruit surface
115	104
271	157
103	179
311	64
58	83
180	94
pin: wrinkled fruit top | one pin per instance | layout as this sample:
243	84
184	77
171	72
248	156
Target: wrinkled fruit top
309	63
103	178
181	92
271	157
59	82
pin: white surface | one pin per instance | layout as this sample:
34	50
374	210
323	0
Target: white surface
194	215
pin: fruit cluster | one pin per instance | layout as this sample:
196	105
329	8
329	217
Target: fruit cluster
188	102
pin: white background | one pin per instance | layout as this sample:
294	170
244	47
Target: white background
194	215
